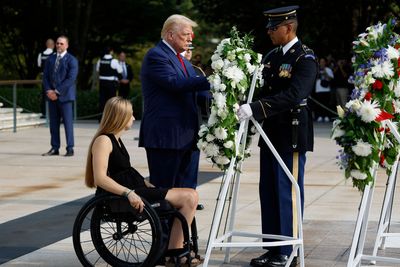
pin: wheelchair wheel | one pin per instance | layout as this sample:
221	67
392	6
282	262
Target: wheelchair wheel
108	231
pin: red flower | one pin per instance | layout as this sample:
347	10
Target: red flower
380	129
368	96
397	46
383	116
382	159
377	85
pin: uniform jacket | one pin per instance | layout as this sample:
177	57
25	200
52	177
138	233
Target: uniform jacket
65	78
170	118
288	79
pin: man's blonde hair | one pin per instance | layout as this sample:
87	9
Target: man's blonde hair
174	23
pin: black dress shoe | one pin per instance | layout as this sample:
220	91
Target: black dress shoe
70	153
279	260
200	207
261	261
51	152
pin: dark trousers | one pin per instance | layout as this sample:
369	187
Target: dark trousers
276	197
191	180
168	167
58	110
123	90
107	89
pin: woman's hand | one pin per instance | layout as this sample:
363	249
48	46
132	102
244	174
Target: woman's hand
136	201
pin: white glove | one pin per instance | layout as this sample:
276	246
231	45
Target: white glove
244	112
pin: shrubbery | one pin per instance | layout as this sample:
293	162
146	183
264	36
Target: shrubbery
87	101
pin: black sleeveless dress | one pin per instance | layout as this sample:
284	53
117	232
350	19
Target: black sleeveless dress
120	170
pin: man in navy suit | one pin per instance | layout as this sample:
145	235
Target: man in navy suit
59	78
169	125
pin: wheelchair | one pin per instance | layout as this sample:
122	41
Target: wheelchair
108	231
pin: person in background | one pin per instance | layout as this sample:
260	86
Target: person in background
110	72
109	169
127	76
170	124
59	79
41	60
289	77
341	81
323	87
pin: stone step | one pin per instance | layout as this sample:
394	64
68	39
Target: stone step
23	120
9	110
22	124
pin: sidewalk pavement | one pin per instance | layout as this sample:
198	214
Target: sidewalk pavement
35	189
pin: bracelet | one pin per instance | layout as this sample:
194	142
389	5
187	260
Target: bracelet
126	193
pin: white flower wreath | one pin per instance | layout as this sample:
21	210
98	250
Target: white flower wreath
234	65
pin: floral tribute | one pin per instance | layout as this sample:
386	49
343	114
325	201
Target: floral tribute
375	98
233	64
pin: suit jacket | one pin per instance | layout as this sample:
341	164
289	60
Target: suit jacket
64	80
129	72
288	80
170	119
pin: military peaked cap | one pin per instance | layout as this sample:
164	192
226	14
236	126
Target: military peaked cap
278	15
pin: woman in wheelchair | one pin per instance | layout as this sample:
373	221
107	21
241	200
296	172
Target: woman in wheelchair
108	169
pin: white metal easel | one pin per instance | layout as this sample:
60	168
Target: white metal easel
232	176
358	243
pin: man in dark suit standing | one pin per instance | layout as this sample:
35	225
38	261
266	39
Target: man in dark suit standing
289	73
59	78
169	125
127	76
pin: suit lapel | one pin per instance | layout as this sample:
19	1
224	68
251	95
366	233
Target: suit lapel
174	59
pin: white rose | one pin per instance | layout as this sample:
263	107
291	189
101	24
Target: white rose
392	52
220	100
215	57
356	174
201	145
247	57
212	120
228	144
210	137
222	87
203	130
221	160
217	65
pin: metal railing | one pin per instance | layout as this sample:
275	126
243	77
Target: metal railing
14	83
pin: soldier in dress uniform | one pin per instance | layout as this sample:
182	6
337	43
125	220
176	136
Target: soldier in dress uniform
289	75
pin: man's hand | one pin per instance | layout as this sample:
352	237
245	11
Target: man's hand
51	94
244	112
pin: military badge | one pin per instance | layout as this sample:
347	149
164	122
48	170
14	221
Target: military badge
285	71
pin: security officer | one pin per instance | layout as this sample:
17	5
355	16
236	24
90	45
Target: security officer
289	75
41	60
110	72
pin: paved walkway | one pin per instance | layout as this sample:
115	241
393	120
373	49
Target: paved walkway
40	195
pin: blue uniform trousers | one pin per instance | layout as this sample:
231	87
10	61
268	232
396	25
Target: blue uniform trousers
276	198
58	110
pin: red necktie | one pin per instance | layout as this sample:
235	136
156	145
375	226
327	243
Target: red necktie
181	61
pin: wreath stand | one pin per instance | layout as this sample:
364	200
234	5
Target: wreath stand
231	179
358	243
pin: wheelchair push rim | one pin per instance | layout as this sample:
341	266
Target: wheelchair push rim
110	232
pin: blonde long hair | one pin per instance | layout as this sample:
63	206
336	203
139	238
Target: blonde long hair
116	115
